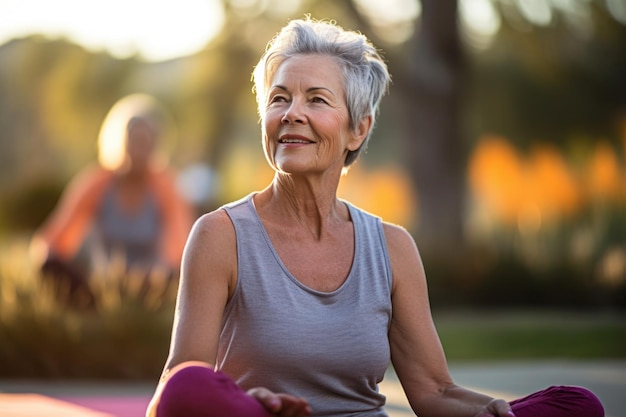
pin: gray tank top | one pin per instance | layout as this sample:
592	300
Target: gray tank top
133	234
328	347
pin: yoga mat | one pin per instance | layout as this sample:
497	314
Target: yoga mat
36	405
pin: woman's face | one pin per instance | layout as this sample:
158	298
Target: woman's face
306	126
140	144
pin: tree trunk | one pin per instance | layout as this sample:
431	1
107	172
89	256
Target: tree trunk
433	89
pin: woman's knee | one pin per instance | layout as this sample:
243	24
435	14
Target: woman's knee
195	390
559	401
588	403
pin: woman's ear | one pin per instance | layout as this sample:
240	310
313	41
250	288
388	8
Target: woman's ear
360	133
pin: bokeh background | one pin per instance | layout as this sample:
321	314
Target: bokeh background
501	147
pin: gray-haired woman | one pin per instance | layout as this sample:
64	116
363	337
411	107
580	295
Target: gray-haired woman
293	302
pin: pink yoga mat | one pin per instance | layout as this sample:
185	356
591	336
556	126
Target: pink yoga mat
35	405
116	406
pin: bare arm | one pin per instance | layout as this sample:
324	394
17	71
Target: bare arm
207	280
66	227
416	350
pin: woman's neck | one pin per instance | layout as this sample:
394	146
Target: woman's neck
301	205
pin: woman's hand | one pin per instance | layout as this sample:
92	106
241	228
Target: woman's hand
496	408
281	405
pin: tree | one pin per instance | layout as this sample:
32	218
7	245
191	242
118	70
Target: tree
431	84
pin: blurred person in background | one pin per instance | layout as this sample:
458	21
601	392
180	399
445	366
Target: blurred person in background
293	302
125	209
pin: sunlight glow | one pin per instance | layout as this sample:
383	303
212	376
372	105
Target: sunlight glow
537	12
391	11
155	30
617	8
480	22
393	20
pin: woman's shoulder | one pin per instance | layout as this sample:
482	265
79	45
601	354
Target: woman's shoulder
220	222
163	184
212	238
392	230
94	173
163	177
395	230
398	238
216	223
91	180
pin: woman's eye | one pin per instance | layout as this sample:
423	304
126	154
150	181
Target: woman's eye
277	99
318	100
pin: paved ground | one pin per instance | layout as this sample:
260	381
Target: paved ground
507	380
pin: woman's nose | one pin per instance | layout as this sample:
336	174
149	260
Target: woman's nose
294	114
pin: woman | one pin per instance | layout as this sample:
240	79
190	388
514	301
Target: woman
126	208
293	302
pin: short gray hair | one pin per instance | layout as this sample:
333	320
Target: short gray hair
366	76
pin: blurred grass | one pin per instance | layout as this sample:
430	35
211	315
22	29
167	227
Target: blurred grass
127	337
531	334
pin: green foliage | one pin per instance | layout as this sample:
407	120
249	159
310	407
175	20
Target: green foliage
573	266
550	83
521	334
27	206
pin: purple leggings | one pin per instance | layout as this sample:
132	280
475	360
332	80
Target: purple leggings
559	401
198	391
